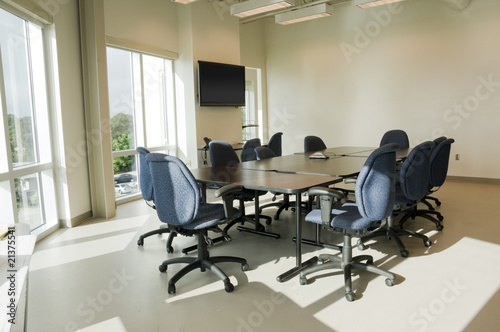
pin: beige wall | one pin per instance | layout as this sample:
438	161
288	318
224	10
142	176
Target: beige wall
418	66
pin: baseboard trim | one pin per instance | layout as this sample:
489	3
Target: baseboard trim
65	223
472	179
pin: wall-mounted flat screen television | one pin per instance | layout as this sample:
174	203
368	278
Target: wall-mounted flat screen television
221	84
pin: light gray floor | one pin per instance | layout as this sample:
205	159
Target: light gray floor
94	277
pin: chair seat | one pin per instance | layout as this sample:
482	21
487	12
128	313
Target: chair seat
209	215
345	216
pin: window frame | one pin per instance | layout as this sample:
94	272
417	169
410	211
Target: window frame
169	115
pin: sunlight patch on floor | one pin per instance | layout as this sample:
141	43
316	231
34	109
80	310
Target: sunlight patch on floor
114	324
100	228
76	252
443	294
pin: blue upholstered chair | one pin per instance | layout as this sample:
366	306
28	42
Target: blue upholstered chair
248	149
397	136
375	197
410	189
147	192
178	204
146	184
275	144
438	170
222	154
313	143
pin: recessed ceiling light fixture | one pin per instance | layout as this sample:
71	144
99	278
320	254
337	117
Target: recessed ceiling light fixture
254	7
304	14
372	3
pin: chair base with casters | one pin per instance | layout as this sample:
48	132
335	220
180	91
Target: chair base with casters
393	233
424	214
170	249
347	263
203	262
163	229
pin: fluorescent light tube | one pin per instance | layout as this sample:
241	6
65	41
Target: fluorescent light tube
372	3
253	7
184	2
304	14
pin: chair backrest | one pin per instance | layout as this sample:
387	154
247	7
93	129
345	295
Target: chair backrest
440	158
414	173
247	151
313	143
375	184
275	143
397	136
145	175
222	154
176	192
263	152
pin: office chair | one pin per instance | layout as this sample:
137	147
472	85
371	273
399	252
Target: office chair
428	198
146	184
438	169
148	195
263	152
313	143
375	196
247	151
179	205
411	188
397	136
275	144
223	155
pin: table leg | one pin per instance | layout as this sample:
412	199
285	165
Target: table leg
259	228
298	247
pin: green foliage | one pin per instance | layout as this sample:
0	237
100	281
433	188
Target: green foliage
121	164
21	139
122	138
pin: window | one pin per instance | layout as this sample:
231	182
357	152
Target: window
251	113
142	112
27	193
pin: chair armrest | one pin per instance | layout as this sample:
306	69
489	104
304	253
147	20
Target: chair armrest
350	180
227	198
325	200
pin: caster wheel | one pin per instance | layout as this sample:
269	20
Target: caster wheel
276	217
438	203
162	268
440	218
404	253
427	243
350	296
227	238
361	246
268	222
245	267
439	227
303	280
171	289
261	228
170	249
389	282
140	242
229	287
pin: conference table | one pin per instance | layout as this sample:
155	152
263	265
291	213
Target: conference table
290	174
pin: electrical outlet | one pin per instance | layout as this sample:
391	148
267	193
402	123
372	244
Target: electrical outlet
457	156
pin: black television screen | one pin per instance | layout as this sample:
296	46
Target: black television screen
221	84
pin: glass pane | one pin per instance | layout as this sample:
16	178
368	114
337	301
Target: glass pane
15	65
125	175
121	101
6	204
154	100
29	200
